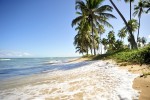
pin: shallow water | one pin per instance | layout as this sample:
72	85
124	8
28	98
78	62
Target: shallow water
18	67
90	80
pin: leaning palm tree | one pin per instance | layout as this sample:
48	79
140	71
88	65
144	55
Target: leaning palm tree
139	9
132	40
130	6
94	14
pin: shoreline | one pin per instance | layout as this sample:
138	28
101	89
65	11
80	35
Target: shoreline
142	84
77	80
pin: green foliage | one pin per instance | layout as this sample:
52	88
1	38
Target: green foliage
91	15
134	56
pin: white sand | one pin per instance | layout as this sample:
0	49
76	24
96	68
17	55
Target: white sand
89	80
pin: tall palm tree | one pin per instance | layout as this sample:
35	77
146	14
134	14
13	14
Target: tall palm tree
130	7
93	13
82	40
132	42
139	9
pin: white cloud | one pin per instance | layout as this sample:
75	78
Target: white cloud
148	36
6	53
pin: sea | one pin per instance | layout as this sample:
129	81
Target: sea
60	78
19	67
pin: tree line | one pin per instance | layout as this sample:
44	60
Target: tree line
93	18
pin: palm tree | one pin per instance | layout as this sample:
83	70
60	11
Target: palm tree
101	31
132	42
143	40
130	6
93	13
122	34
82	40
111	40
118	45
147	5
139	9
104	42
139	41
134	26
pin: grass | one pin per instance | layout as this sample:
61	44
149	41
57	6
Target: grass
140	56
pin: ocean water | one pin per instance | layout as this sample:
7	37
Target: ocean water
19	67
58	79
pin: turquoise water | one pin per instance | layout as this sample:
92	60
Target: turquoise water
16	67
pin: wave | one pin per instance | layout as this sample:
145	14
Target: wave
53	62
94	81
5	59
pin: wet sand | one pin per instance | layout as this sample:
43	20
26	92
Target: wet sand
142	84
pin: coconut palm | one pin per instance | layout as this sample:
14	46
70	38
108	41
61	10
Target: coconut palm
147	5
118	45
92	12
101	30
83	38
122	34
132	42
139	9
131	23
134	26
139	41
111	40
104	42
143	40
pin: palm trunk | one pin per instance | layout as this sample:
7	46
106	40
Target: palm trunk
139	28
87	52
91	50
93	37
133	42
100	44
130	9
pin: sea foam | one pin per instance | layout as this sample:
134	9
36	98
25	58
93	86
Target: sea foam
93	80
4	59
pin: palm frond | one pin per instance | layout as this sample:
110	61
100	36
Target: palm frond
76	20
107	15
104	8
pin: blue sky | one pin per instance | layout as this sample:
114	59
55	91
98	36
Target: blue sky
42	28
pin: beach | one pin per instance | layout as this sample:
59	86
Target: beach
140	83
76	80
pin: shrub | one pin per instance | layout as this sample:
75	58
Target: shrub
135	56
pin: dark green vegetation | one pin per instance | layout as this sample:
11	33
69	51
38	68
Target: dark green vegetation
139	56
90	25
